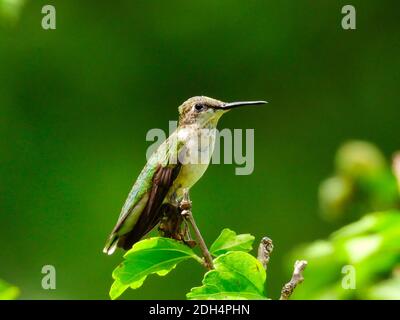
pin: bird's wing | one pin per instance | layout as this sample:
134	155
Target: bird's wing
151	214
141	187
146	196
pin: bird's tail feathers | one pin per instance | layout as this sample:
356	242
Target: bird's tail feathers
111	244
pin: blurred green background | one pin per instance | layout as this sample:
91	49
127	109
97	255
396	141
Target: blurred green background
77	102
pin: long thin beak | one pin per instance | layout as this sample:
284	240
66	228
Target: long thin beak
231	105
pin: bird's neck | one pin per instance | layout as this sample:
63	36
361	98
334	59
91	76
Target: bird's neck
209	123
196	129
200	138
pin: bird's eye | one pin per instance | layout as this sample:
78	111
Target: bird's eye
199	107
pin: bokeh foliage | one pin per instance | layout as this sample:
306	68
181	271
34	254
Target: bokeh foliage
360	260
363	182
8	291
369	249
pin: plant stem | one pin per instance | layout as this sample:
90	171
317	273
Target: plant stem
297	278
186	211
264	251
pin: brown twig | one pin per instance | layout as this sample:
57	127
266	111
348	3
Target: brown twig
264	251
297	278
186	212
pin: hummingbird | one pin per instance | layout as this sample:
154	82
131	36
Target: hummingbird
170	169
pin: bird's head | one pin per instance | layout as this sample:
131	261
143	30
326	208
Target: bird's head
206	111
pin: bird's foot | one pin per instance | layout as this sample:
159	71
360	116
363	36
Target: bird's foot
185	204
190	243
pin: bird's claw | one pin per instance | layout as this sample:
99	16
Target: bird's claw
185	204
191	243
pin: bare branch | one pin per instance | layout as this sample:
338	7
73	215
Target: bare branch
264	251
186	212
297	278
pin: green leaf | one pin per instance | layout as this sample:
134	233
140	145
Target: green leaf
228	240
374	222
155	255
360	248
7	291
385	290
362	226
237	276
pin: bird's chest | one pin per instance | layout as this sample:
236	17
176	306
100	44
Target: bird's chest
194	156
